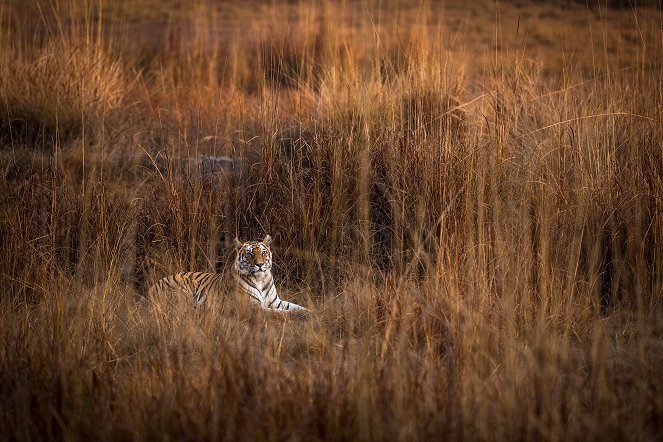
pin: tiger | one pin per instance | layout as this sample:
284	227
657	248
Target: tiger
250	274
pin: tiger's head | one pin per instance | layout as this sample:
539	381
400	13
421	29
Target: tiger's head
254	258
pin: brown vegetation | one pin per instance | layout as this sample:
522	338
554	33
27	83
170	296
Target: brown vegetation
468	195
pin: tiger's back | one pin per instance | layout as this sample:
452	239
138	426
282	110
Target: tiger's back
199	285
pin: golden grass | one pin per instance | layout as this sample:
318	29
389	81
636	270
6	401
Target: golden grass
467	196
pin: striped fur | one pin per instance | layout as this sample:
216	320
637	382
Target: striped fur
250	275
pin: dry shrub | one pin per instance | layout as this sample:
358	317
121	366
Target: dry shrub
58	93
432	114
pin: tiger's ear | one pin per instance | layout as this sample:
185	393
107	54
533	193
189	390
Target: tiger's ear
268	240
238	244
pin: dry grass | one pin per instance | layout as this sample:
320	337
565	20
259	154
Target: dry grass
468	197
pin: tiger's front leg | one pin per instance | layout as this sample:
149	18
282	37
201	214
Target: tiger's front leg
273	302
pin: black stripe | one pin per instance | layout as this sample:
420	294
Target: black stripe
204	279
270	285
253	296
185	281
248	281
249	292
190	281
196	276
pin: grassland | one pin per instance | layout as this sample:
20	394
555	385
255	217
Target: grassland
468	195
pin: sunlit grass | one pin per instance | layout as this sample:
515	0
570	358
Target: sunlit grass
467	197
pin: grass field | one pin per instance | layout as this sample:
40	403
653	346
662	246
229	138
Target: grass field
467	195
